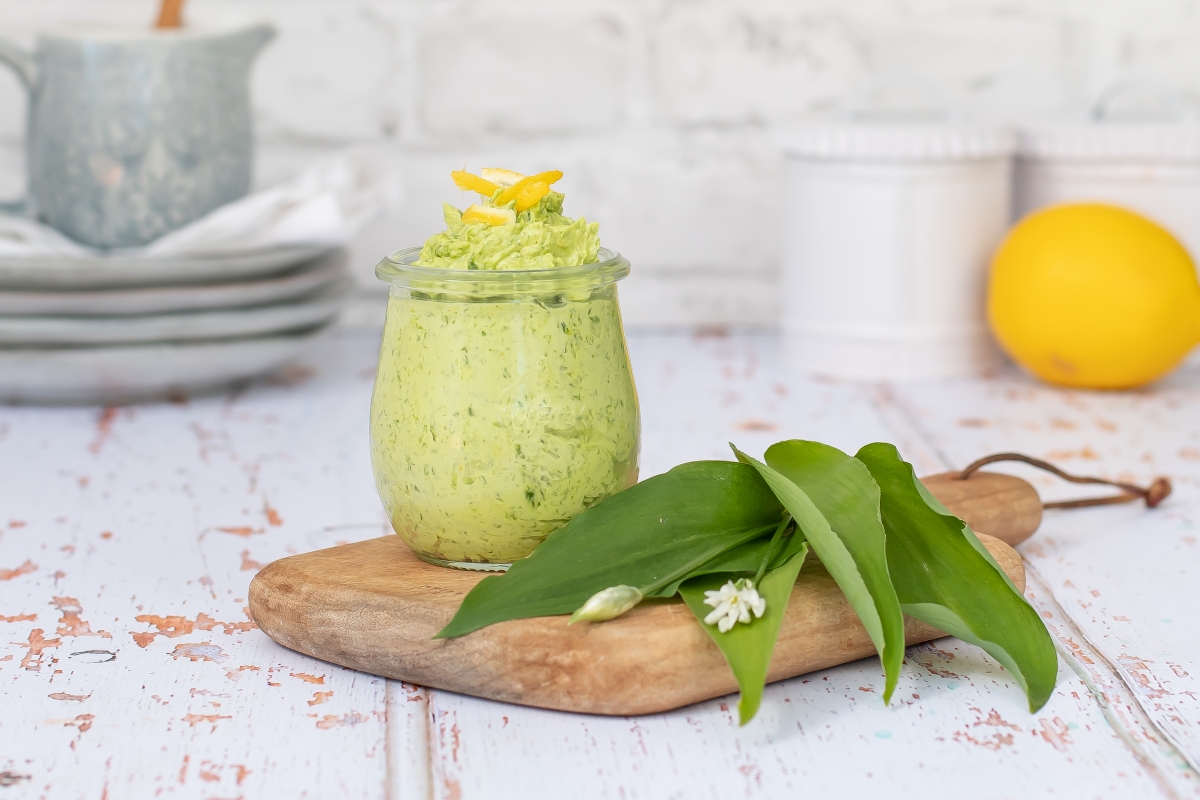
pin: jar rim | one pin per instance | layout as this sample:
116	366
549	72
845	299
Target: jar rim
398	269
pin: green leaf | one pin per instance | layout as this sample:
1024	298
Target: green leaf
944	576
835	502
636	537
748	647
742	559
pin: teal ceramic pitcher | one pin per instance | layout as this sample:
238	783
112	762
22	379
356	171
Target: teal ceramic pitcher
133	133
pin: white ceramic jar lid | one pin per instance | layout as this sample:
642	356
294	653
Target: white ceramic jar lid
1106	141
880	142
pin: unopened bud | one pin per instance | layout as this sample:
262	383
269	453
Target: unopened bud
607	604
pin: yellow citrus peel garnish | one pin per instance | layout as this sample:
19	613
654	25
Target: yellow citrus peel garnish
500	177
529	195
473	183
489	216
509	194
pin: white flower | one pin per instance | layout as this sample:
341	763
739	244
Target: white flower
607	603
733	603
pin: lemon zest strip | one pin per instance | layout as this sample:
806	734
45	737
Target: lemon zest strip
473	183
488	215
500	177
510	193
529	195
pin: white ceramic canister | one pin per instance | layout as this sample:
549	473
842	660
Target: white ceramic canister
888	231
1153	169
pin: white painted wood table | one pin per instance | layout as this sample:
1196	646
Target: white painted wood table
129	669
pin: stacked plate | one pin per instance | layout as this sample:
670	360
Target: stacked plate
115	330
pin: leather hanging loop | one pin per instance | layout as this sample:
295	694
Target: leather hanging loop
1154	494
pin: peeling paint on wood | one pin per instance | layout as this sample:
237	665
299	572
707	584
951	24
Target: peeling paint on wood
130	669
24	569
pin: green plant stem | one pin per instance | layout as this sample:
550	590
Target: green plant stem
774	548
704	558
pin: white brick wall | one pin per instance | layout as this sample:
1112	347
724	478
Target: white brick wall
663	113
475	72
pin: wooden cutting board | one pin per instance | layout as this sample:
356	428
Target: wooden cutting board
374	606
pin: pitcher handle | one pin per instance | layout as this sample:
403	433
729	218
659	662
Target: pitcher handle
21	60
24	64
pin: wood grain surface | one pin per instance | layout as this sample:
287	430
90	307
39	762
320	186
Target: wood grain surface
1003	506
375	607
129	537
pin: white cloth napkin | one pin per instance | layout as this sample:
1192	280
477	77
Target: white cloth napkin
324	206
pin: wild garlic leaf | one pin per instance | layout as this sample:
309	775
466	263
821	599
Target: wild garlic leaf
635	538
944	576
743	559
748	647
836	504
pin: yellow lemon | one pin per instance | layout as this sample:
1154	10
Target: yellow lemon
1094	296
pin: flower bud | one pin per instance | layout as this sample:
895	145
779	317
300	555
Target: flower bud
606	604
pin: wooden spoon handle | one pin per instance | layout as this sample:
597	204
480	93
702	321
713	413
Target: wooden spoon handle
170	14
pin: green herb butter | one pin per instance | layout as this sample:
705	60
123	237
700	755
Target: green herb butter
539	238
494	423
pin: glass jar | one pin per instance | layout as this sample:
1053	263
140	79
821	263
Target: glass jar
504	405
